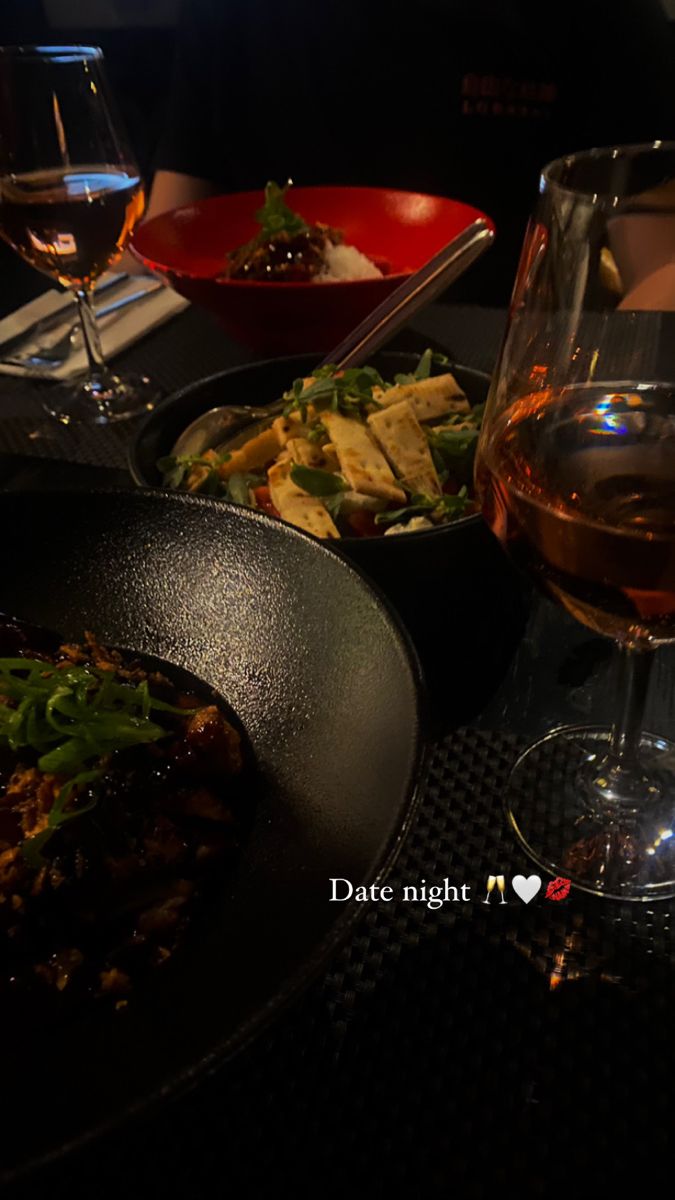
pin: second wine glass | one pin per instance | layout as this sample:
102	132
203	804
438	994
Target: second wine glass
71	195
576	471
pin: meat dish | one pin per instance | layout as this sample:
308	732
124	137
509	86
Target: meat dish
123	795
286	249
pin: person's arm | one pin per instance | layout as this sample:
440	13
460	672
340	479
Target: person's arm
170	189
173	189
185	148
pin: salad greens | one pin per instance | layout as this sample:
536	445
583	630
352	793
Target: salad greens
317	482
450	429
440	507
176	469
453	449
423	369
350	393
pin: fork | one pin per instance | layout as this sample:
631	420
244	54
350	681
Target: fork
53	320
56	355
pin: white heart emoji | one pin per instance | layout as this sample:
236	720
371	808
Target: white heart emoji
526	889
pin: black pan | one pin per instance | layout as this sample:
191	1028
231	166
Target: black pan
327	688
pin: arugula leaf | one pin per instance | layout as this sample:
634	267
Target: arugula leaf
238	489
239	486
453	443
275	216
453	452
423	369
317	432
176	468
439	508
414	509
350	393
453	506
333	504
317	482
429	358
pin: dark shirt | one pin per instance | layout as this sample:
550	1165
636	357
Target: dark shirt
464	98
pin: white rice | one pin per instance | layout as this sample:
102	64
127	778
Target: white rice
344	263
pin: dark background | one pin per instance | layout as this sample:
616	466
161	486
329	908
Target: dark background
138	58
434	1058
138	62
138	39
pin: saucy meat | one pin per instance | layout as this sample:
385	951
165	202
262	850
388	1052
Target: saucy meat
103	861
285	257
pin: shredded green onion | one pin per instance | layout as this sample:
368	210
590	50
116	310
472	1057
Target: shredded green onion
72	716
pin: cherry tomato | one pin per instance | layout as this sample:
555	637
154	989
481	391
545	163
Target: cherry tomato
363	524
264	500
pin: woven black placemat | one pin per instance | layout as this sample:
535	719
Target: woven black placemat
448	1050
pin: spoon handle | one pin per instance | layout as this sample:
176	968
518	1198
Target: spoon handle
414	293
448	264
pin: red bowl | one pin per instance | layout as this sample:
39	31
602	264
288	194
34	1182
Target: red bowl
189	248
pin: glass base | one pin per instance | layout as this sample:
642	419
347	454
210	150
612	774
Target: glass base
612	833
103	400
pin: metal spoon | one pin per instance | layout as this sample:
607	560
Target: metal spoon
415	293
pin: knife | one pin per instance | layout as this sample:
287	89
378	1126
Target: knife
48	357
46	324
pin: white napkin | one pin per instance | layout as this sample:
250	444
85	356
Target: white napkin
118	330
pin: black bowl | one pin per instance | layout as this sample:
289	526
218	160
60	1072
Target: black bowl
262	383
327	688
444	580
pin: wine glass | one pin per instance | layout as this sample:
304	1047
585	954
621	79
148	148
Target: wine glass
576	474
70	197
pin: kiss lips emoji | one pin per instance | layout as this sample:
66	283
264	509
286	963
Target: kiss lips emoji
558	889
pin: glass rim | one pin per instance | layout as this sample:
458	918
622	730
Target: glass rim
66	53
633	150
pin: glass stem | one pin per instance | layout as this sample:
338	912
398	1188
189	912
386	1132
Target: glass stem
616	785
634	670
92	337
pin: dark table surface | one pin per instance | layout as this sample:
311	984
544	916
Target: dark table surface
448	1050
